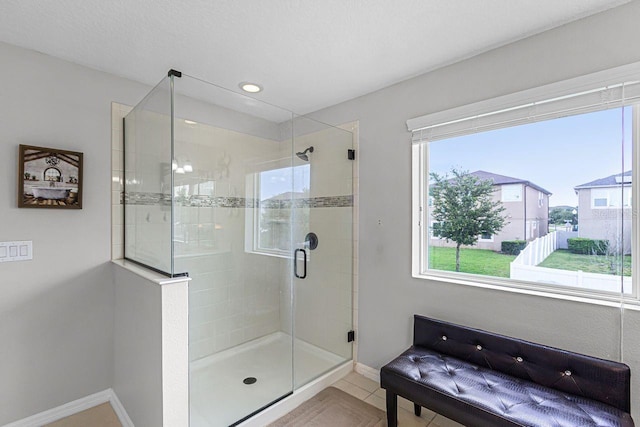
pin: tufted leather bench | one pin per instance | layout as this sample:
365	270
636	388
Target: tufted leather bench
479	378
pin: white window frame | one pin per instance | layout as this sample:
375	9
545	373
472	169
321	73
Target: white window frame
255	226
252	222
431	235
483	109
481	239
598	206
509	187
606	192
625	203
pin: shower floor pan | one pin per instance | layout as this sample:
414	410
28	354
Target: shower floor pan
219	394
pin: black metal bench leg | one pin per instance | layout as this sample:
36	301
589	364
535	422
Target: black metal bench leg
417	409
392	409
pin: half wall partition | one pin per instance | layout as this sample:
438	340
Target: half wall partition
255	204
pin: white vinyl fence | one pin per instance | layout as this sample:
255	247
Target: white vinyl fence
537	250
525	267
573	279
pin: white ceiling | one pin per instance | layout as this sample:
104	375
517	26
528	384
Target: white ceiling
308	54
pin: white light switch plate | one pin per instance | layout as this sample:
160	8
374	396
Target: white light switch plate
16	251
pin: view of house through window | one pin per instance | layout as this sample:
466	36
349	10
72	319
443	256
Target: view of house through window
279	189
546	202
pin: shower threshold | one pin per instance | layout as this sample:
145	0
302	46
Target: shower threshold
219	395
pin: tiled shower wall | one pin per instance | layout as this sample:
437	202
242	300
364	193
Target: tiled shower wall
236	296
147	173
323	314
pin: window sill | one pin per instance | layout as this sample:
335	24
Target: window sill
526	288
271	254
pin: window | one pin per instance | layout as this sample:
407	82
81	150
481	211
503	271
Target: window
206	188
490	182
600	202
512	193
276	191
52	174
435	228
610	198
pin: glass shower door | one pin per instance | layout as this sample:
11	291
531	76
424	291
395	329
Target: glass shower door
232	158
256	205
323	253
147	181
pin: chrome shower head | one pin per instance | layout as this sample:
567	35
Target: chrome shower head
303	154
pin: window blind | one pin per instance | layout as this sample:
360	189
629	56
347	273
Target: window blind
556	100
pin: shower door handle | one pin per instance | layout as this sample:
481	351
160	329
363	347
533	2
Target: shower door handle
295	263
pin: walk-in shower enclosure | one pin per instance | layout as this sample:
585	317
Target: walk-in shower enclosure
255	204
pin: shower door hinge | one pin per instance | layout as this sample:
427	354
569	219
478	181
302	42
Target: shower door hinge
351	154
351	336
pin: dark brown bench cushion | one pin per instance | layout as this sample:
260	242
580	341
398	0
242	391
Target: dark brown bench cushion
481	378
487	396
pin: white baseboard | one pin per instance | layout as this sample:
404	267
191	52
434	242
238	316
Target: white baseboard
119	410
269	415
369	372
71	408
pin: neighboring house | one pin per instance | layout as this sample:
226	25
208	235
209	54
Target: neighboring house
526	210
604	208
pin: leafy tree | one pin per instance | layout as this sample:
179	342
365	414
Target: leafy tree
561	215
463	209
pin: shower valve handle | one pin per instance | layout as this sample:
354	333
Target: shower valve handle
295	263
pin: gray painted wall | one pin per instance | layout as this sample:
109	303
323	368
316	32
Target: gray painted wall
388	295
56	312
137	344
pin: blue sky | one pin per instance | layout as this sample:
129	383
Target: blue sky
278	181
556	154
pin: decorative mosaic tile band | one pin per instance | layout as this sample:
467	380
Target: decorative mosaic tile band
215	202
162	199
312	202
148	199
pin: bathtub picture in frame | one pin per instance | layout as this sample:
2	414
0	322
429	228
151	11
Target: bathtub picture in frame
49	178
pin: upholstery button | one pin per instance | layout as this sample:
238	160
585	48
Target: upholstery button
479	347
519	359
567	373
444	338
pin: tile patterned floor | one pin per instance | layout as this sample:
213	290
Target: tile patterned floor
354	384
98	416
365	389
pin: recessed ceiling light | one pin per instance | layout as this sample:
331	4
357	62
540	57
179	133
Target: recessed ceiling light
250	87
190	122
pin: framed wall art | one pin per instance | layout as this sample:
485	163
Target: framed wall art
49	178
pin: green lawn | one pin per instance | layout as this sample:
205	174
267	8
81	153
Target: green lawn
476	261
565	260
490	263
